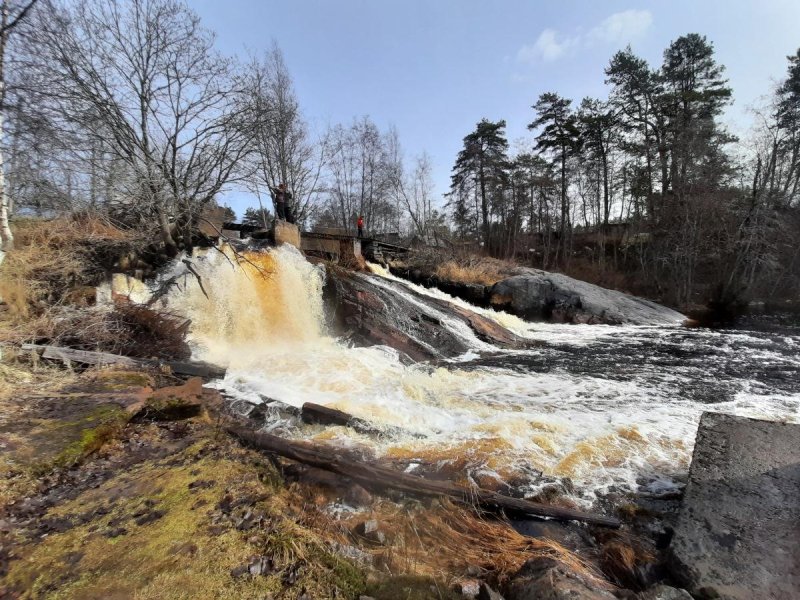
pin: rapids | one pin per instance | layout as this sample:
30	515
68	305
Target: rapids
606	407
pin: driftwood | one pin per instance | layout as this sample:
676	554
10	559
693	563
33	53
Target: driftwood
85	357
323	415
316	413
328	458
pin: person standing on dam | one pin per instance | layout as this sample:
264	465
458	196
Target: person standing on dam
283	203
360	225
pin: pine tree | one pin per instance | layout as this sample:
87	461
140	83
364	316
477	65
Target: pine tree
559	136
695	93
597	124
257	217
482	163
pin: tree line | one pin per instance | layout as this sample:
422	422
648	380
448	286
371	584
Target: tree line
128	109
647	181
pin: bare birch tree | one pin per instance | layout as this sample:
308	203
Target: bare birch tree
11	15
282	150
142	77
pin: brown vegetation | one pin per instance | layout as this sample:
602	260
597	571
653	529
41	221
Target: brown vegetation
54	260
445	539
460	266
47	286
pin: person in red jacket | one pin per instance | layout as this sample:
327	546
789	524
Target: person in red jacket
360	225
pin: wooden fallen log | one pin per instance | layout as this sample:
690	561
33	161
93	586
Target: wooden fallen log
323	415
316	413
374	476
86	357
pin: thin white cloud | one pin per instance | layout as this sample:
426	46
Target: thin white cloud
549	46
621	27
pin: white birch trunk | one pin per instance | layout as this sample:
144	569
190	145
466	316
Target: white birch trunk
6	236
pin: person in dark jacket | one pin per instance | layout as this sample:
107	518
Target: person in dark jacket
283	203
360	225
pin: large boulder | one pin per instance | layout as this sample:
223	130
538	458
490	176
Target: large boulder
738	533
539	295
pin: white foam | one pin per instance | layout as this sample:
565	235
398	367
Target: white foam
599	431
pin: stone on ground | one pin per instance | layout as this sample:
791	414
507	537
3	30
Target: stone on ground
547	579
738	534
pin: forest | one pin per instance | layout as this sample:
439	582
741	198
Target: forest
128	112
647	182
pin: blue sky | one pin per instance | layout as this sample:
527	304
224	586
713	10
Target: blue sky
434	68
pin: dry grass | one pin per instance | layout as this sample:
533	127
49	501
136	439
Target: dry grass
127	329
460	267
623	558
53	261
47	286
483	271
444	540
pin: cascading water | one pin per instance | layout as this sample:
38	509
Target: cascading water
605	406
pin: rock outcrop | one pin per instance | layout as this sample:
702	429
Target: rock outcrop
370	315
738	530
539	295
412	323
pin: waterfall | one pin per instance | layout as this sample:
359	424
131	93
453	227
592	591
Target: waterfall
603	405
248	310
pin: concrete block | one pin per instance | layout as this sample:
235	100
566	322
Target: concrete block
286	233
738	533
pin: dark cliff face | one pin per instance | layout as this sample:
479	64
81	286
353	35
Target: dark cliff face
371	311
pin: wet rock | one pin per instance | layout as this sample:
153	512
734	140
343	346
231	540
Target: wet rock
569	535
116	532
261	565
201	484
547	579
257	566
736	535
370	530
473	293
56	525
467	588
539	295
664	592
369	314
487	593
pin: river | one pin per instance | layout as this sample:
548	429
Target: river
602	407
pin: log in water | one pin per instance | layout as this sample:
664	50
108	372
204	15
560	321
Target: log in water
324	457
